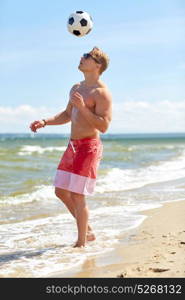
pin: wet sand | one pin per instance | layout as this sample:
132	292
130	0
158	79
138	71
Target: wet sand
155	249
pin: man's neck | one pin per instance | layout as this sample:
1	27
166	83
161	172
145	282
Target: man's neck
91	79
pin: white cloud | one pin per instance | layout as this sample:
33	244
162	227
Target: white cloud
18	119
143	116
128	116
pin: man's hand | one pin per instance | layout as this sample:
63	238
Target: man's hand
77	100
36	125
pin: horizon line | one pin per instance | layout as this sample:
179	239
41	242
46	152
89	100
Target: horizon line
112	133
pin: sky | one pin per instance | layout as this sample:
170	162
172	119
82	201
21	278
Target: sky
39	59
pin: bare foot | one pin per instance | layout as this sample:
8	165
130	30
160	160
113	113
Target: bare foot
90	236
78	245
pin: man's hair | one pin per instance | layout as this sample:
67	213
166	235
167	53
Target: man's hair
101	57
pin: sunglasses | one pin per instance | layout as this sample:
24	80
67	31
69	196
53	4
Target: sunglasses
87	55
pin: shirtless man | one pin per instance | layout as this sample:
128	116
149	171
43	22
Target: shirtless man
90	111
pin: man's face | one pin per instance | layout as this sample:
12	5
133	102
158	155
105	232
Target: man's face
88	63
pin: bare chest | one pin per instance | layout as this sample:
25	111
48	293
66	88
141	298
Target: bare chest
88	96
89	99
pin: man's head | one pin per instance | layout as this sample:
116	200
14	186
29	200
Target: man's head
94	61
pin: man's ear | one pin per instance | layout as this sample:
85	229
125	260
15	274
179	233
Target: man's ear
98	67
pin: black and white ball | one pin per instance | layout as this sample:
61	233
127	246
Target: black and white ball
79	23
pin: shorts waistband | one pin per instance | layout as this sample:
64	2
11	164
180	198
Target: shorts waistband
75	144
85	140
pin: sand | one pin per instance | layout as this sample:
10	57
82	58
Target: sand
155	249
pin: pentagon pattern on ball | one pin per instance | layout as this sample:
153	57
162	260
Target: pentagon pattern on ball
79	12
83	22
71	21
76	32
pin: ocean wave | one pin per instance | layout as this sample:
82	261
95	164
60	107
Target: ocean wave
114	180
154	147
125	179
42	246
41	193
29	149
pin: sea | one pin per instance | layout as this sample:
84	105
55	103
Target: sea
37	233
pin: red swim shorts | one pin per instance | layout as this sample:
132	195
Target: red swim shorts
77	170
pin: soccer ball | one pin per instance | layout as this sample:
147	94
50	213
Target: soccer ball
79	23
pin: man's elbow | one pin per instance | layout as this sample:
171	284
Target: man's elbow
68	115
104	128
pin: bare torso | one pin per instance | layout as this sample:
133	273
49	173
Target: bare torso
80	127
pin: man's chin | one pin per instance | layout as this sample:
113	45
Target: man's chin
80	67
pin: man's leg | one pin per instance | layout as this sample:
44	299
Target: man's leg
82	216
66	198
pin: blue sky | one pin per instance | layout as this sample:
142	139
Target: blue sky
39	59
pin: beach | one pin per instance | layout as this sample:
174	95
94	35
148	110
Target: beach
139	176
157	249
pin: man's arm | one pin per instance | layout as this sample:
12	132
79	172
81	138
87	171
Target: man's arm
103	109
61	118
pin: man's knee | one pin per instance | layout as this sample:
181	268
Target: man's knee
61	193
78	199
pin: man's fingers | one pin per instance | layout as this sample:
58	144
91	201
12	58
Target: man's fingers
74	97
33	126
77	93
78	96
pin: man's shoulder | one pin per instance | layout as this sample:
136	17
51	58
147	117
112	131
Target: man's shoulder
103	91
74	87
